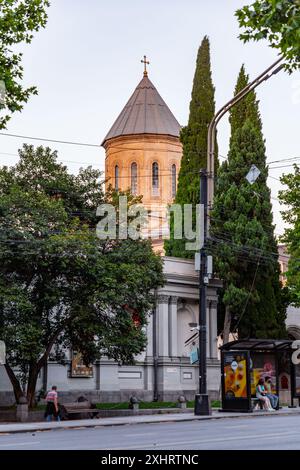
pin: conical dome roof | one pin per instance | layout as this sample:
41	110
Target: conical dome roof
145	113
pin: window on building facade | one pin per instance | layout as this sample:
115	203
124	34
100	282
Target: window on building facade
155	179
133	178
116	178
173	181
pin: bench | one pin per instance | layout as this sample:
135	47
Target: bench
78	410
256	404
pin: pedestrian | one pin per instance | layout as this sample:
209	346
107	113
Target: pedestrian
272	397
52	405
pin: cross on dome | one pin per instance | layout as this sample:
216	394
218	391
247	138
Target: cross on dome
145	62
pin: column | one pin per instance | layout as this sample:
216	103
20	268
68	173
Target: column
173	340
149	350
163	325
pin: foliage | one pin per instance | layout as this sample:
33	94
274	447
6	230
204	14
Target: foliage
291	197
277	21
18	20
60	286
194	141
247	108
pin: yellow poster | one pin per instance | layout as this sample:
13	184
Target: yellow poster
235	377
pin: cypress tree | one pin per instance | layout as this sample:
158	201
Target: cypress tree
243	242
194	141
247	108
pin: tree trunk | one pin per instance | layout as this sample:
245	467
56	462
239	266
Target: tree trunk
227	324
31	386
33	374
35	369
18	392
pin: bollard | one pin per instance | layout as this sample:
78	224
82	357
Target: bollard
181	402
134	404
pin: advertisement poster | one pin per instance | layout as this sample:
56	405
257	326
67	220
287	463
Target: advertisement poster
235	376
262	365
79	369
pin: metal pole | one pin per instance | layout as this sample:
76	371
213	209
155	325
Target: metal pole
155	361
202	405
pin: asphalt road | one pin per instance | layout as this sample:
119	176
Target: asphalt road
264	433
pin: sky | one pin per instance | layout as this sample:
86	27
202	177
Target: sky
87	62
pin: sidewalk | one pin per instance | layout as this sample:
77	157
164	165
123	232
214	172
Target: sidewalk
140	419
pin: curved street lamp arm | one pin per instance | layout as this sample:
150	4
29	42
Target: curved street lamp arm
265	75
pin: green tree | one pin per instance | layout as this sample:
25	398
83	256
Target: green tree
245	109
194	141
291	197
18	20
277	21
244	246
60	286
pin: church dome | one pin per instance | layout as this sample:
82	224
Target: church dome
145	113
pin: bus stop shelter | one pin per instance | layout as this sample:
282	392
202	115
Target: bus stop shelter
245	361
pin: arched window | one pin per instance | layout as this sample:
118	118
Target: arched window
116	178
155	179
133	178
173	181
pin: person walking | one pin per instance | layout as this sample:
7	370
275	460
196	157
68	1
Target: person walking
52	405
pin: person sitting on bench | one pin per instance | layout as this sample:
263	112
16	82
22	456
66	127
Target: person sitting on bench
273	398
261	394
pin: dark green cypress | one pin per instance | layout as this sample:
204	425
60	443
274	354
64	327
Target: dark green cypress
194	141
247	108
244	245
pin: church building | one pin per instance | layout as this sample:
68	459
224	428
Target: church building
143	154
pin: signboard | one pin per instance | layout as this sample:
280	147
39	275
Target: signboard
235	381
2	353
253	174
78	368
194	356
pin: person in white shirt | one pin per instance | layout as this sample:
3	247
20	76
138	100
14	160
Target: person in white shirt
52	405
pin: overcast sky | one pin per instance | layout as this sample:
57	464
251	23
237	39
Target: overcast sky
86	64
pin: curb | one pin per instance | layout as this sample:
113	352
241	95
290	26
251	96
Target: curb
96	423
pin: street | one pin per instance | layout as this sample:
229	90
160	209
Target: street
255	433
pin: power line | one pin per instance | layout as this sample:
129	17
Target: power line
252	250
265	227
282	166
249	295
67	142
87	144
284	160
59	161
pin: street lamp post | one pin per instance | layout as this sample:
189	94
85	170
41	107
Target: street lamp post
202	405
206	198
211	137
